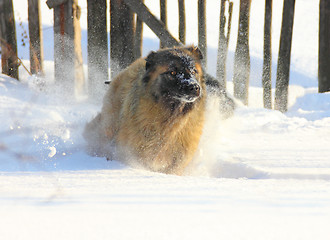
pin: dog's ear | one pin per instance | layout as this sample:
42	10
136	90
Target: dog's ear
196	52
150	60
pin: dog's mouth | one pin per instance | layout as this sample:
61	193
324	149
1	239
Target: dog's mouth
186	98
183	94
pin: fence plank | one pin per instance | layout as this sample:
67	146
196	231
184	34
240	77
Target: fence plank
55	3
284	57
267	64
242	55
9	59
202	44
138	37
223	43
35	34
67	47
182	21
97	46
163	16
63	47
153	23
121	36
324	46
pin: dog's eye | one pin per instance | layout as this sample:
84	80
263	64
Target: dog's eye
173	73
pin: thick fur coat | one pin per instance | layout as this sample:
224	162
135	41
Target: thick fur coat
153	112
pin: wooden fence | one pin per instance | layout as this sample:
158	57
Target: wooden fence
126	18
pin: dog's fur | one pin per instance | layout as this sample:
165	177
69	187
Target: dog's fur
154	111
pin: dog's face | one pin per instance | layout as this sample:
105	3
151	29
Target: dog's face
175	75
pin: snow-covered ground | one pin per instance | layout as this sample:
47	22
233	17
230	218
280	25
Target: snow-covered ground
258	175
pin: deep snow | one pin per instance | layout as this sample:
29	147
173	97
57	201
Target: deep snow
258	175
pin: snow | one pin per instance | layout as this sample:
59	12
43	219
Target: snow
258	175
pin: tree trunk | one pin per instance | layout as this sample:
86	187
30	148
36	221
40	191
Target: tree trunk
324	46
35	33
284	57
267	65
9	59
242	55
182	21
121	36
202	42
97	45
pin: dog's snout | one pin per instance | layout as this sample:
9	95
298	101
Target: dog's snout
191	87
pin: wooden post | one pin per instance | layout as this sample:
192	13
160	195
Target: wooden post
267	65
163	16
63	47
35	33
153	23
242	55
138	37
230	14
97	47
324	46
284	57
9	59
182	21
202	42
223	43
67	45
78	59
121	36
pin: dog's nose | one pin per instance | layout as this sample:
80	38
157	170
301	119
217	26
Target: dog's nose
191	87
195	89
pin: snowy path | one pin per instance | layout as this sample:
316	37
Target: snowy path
258	175
127	203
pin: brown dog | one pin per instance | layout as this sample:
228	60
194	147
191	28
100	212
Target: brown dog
153	111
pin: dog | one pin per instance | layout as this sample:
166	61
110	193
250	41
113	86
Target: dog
154	111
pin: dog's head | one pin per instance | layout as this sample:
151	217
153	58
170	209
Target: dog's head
175	75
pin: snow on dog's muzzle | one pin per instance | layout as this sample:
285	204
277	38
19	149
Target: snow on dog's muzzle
190	89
